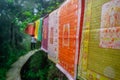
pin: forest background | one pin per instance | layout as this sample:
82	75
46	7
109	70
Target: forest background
14	16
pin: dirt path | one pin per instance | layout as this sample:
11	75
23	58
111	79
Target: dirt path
14	71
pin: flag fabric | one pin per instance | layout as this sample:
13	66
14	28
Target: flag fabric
69	27
30	29
100	49
44	45
53	36
38	29
110	25
39	38
37	23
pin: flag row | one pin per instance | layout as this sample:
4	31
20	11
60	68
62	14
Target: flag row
83	38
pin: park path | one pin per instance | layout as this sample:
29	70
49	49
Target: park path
14	72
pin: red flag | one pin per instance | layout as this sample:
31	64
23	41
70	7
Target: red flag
30	29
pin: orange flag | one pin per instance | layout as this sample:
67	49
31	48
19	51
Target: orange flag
30	29
69	27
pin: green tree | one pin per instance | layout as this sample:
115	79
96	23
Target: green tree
14	16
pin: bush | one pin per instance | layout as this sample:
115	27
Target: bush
38	67
8	56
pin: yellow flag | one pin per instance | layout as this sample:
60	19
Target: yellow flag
37	22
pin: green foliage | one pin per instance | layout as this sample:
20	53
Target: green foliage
27	14
14	16
10	1
39	67
3	73
8	59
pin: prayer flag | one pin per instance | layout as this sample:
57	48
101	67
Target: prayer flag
37	22
39	38
44	45
53	36
100	46
30	29
69	27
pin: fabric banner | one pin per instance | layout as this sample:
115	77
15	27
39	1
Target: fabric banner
100	56
69	21
53	36
37	23
44	45
110	25
82	68
39	38
30	29
38	29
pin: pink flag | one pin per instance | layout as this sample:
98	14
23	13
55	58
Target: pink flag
44	45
